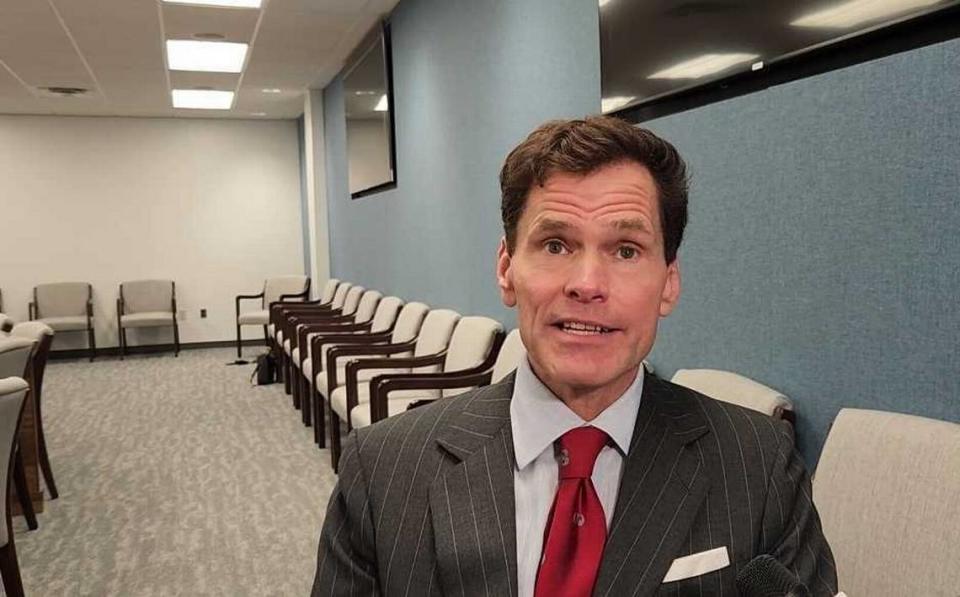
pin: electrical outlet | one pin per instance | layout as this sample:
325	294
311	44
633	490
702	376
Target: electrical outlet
203	313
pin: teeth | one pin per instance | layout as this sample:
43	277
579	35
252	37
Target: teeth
577	327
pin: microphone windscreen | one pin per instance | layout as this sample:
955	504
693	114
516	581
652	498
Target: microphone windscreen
764	576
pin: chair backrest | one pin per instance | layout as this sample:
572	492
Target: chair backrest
273	288
340	295
888	491
408	322
141	296
367	306
509	358
735	389
15	356
434	336
329	289
13	393
62	299
471	343
387	310
352	300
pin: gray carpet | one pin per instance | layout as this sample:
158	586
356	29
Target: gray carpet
176	477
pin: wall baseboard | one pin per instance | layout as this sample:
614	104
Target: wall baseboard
114	351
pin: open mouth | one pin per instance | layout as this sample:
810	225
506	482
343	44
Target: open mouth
579	328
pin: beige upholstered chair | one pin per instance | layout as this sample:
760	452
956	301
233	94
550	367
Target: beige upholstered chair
423	355
147	303
15	361
888	491
283	288
42	335
509	358
472	350
278	316
65	307
736	389
326	300
13	393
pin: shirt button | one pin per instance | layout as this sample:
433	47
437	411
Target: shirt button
578	519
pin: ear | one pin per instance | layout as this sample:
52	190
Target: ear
671	289
504	277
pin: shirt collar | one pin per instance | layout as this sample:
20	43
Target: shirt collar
538	418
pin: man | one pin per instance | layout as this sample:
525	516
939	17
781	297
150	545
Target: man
581	474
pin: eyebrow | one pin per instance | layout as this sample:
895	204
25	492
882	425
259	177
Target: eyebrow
632	224
551	225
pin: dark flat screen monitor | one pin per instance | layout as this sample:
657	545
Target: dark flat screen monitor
652	49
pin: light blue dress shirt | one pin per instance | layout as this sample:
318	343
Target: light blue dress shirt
538	418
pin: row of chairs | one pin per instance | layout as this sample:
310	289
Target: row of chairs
359	357
68	307
24	349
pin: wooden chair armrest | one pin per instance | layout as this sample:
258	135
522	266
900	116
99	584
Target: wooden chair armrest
382	385
363	350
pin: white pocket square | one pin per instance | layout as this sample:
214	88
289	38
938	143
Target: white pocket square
697	563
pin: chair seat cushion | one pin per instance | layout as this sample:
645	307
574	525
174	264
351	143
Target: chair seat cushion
338	401
146	319
254	318
286	347
363	375
66	324
360	416
271	330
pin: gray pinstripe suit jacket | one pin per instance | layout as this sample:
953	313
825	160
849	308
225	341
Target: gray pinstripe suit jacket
425	506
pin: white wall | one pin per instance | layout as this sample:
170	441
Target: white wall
212	204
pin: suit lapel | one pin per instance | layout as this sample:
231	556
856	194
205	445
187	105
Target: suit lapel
661	491
472	502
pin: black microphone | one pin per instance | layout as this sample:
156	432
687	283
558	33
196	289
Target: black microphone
764	576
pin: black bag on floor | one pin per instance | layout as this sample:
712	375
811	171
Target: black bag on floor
266	370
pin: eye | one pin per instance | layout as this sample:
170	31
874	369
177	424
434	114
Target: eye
554	247
627	252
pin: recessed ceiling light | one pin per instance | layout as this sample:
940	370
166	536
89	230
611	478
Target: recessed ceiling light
382	104
230	3
209	36
604	3
856	12
702	66
202	100
258	113
361	92
205	56
271	90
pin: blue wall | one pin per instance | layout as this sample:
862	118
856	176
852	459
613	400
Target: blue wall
471	79
822	257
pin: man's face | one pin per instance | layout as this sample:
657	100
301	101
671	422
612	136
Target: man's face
589	279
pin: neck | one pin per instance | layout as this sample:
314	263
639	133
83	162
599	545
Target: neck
587	402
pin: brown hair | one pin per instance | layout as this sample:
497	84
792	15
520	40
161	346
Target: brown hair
584	146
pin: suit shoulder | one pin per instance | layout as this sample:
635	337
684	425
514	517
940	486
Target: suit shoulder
419	426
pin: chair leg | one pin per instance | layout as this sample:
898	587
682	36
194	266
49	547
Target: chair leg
334	440
92	343
176	340
266	337
45	462
122	337
285	368
10	570
23	492
304	391
319	417
239	351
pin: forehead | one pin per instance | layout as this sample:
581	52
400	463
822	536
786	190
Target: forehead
624	189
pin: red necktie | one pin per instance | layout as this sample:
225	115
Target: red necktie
577	527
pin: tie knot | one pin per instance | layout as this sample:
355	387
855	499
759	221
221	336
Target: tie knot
578	451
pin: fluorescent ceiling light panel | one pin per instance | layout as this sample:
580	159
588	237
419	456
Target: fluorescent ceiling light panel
205	56
202	99
382	104
702	66
228	3
609	104
857	12
604	3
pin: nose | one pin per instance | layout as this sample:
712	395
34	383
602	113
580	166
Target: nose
588	280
